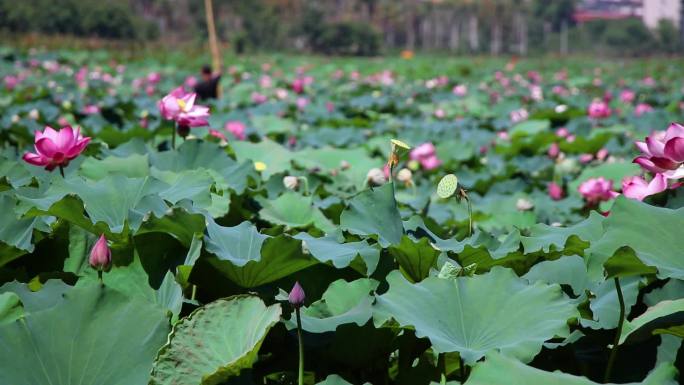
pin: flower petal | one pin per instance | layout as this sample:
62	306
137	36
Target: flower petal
35	159
46	147
674	149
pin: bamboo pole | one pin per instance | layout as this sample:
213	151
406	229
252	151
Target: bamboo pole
213	41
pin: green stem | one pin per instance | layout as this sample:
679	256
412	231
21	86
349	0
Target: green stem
618	332
441	365
194	292
305	182
470	217
61	170
99	276
461	367
173	138
300	374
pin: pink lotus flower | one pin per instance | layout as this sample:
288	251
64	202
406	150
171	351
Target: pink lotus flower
627	96
596	190
298	85
663	152
11	82
258	98
426	155
91	109
190	82
642	108
439	113
265	81
636	187
330	107
153	77
598	109
562	132
302	102
519	115
586	158
56	148
236	128
181	107
602	154
555	191
100	255
460	90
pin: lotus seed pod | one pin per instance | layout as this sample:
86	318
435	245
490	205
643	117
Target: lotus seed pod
447	186
291	182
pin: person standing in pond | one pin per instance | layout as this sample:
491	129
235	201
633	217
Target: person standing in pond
207	88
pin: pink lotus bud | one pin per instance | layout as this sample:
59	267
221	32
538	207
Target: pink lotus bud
554	150
555	191
236	128
297	295
100	255
595	190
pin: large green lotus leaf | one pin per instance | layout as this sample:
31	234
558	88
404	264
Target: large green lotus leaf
15	231
188	184
342	303
502	213
653	233
95	335
479	314
195	155
498	369
271	124
215	342
10	308
276	157
668	349
290	209
613	171
179	223
50	294
374	212
568	270
530	128
415	258
238	245
334	379
280	257
673	289
328	249
328	159
656	318
133	166
605	305
547	238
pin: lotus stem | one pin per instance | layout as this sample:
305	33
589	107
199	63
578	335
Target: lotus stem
618	332
300	374
194	292
470	217
461	367
305	182
441	365
99	276
61	170
173	138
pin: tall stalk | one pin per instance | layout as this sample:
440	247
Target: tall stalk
618	332
300	374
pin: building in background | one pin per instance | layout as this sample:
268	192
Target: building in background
656	10
589	10
650	11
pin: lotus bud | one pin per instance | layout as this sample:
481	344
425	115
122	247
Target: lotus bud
100	255
297	296
291	182
405	176
34	114
524	204
344	165
376	177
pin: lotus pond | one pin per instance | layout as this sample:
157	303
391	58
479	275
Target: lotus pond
341	221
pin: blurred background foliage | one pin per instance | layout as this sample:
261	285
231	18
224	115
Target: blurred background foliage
348	27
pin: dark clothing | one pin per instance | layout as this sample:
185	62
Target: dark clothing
208	89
